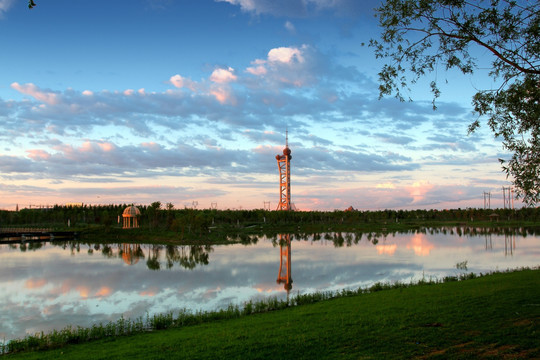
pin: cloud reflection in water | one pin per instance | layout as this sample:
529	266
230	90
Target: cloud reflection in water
78	284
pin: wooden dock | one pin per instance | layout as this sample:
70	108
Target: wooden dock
16	235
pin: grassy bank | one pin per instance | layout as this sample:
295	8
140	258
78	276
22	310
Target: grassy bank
494	316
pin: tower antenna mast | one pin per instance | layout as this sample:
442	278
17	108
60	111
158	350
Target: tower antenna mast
284	166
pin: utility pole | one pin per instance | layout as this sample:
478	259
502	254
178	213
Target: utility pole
508	196
487	200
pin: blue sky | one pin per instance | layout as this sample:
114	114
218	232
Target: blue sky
188	101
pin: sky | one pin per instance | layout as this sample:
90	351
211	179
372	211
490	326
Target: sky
188	102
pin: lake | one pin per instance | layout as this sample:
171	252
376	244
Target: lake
45	286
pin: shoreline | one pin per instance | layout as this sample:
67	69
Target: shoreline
123	330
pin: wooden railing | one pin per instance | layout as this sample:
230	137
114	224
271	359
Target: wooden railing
25	230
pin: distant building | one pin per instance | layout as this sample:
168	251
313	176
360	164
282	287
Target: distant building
130	217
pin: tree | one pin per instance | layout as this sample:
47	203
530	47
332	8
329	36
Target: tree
418	36
153	213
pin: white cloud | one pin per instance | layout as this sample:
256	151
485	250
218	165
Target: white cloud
286	55
129	135
257	70
258	67
247	5
223	76
290	27
5	5
301	8
287	66
218	89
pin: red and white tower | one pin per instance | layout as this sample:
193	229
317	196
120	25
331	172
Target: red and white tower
284	165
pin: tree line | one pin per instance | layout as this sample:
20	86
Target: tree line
155	217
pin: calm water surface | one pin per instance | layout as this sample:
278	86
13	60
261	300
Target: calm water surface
46	286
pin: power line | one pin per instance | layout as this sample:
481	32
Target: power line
487	200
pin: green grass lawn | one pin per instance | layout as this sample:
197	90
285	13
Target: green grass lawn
491	317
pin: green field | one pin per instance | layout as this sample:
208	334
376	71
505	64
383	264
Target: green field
490	317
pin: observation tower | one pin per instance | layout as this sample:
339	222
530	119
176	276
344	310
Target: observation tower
284	165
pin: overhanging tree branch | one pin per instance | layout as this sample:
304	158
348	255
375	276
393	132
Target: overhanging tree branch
508	30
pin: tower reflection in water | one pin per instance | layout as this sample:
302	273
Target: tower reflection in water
284	275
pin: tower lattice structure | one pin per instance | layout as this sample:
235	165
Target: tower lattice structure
284	165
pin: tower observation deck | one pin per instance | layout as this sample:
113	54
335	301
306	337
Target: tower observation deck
284	165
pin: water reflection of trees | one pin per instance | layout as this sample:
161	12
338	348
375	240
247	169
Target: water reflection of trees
185	256
157	256
482	231
350	238
189	256
245	239
27	246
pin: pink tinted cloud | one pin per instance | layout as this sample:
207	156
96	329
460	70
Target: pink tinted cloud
35	283
219	88
257	70
104	291
182	82
223	76
83	291
419	190
30	89
267	149
38	154
152	146
223	95
420	245
90	147
386	249
88	150
258	67
149	292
